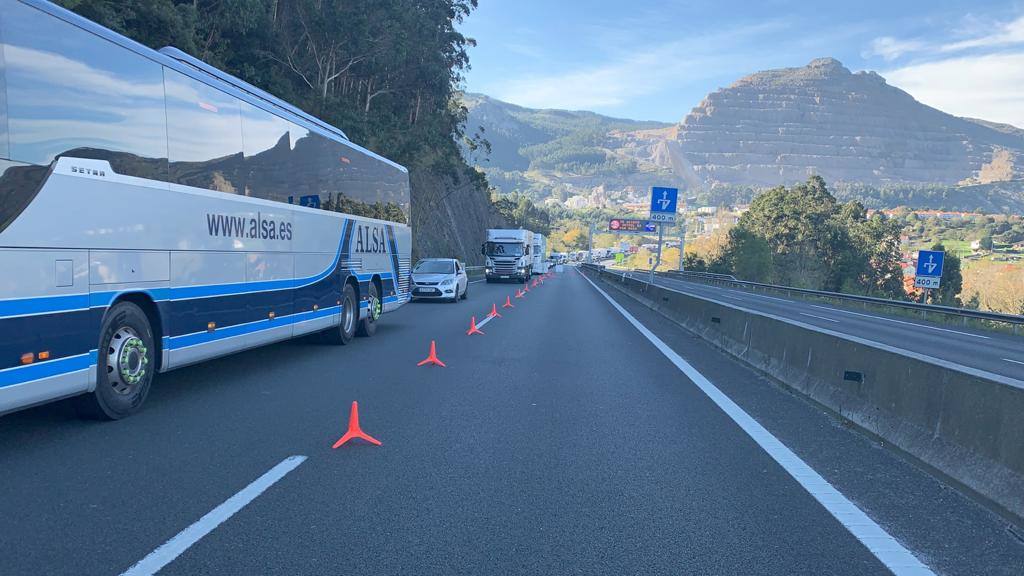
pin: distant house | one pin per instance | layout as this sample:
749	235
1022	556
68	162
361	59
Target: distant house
976	245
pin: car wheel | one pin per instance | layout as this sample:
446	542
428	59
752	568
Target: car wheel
465	293
368	325
125	364
345	331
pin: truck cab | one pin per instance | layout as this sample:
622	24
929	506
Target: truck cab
508	255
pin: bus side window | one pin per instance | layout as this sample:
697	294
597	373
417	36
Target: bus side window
204	135
72	93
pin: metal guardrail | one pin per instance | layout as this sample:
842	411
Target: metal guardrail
725	279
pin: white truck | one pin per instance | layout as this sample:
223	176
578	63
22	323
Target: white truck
508	255
540	248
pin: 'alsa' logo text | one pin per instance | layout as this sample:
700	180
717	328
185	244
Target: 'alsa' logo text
370	239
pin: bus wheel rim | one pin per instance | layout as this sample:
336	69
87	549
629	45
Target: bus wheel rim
127	360
375	308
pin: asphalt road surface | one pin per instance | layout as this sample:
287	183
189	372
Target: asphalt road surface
989	351
563	441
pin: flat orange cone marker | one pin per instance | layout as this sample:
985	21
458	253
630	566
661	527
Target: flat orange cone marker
472	328
520	293
354	431
508	303
432	357
494	312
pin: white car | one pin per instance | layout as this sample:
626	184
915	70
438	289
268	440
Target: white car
441	278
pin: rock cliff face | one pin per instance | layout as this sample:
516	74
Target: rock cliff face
781	126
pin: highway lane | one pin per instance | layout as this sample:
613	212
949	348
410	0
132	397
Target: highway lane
990	351
561	441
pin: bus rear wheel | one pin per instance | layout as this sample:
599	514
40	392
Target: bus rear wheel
368	325
125	365
345	331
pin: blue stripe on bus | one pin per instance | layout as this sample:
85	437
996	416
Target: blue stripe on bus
43	305
60	366
40	370
53	304
176	342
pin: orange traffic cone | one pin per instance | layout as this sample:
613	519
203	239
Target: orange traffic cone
354	431
534	282
508	303
494	312
432	357
472	328
520	293
526	287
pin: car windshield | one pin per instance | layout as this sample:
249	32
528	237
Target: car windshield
504	249
435	267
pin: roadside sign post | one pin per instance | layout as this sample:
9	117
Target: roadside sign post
682	242
929	271
663	211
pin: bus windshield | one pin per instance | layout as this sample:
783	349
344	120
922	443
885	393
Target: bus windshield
504	249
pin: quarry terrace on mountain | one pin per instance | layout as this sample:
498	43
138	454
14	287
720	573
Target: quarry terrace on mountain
769	128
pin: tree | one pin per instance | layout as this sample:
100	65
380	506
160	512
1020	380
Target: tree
748	256
519	211
575	238
951	281
985	242
801	236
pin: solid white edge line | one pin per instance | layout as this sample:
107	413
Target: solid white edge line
1014	361
899	321
167	552
883	546
819	317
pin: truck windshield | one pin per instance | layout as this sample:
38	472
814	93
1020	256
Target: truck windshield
504	249
435	267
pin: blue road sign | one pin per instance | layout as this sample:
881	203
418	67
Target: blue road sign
929	262
663	204
929	269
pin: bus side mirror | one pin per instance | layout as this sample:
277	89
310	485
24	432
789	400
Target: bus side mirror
483	249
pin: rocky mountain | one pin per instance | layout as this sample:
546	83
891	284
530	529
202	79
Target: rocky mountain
769	128
781	126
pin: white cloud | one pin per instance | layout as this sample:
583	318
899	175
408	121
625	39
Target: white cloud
630	73
1004	35
601	86
990	87
891	48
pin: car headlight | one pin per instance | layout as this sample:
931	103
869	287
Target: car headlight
448	282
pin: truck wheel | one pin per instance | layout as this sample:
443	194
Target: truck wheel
346	329
125	364
368	325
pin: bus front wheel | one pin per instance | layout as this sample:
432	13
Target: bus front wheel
125	365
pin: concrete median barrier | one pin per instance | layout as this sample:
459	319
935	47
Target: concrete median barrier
966	424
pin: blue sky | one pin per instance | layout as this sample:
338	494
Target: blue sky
656	59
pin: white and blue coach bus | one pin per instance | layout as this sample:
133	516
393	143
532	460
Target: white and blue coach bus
156	212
